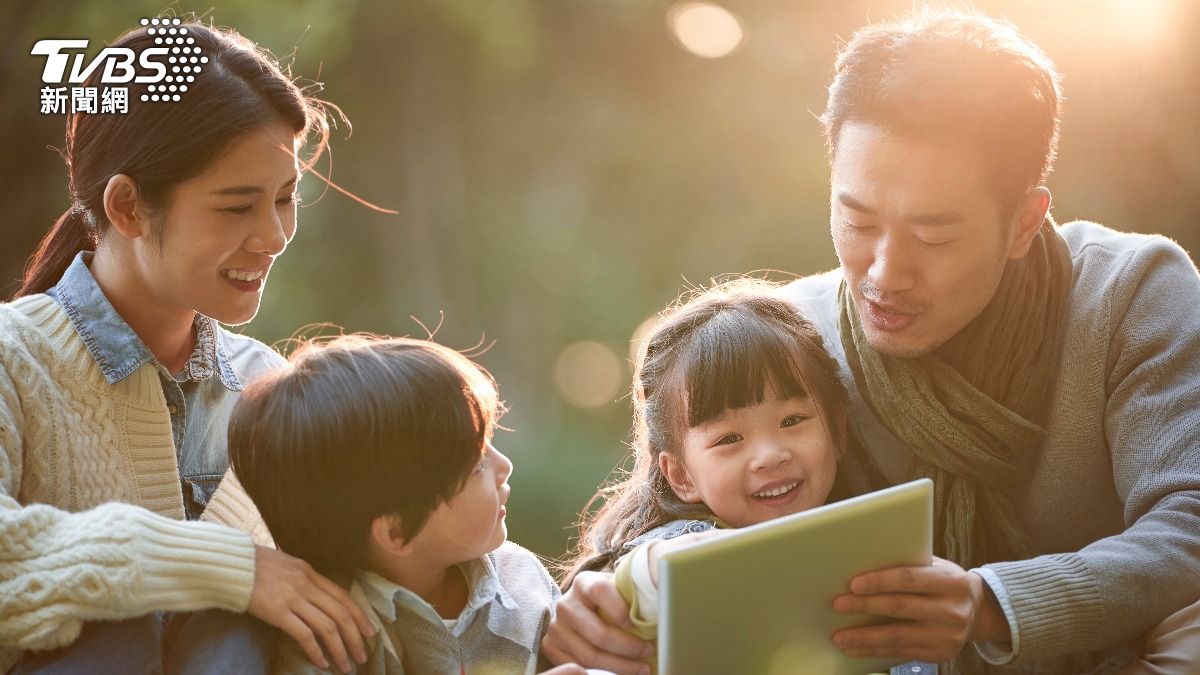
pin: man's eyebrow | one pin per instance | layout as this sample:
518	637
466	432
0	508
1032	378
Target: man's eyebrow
929	219
852	203
249	189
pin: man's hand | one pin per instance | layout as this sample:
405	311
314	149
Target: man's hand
587	628
941	608
291	596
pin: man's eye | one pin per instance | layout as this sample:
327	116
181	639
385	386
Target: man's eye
792	420
934	244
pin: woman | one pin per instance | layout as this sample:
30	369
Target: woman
116	383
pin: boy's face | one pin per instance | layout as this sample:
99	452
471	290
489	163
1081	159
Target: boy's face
472	523
756	463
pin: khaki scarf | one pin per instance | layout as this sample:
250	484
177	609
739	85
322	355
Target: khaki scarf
968	410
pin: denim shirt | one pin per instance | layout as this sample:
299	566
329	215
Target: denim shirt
200	397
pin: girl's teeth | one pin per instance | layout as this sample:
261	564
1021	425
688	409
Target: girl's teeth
783	489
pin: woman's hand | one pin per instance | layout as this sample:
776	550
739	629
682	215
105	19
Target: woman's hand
587	628
291	596
941	607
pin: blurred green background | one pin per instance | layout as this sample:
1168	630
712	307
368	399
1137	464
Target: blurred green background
562	168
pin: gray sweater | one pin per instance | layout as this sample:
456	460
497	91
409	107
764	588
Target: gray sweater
499	633
1112	499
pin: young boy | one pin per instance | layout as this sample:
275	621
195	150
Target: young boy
371	459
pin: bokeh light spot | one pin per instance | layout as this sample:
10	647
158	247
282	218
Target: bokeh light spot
705	29
588	375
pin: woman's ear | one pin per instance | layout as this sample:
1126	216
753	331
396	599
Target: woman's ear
678	478
121	207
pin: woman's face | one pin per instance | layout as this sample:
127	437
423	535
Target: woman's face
224	229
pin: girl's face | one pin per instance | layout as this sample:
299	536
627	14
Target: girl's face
753	464
224	229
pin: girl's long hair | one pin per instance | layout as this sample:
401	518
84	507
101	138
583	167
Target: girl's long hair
717	349
160	144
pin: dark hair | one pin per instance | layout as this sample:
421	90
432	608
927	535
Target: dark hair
713	350
356	428
954	73
159	145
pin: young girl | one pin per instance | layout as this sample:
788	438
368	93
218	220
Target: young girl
116	383
738	418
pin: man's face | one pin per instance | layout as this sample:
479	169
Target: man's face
920	237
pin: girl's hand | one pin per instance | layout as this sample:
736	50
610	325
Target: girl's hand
291	596
941	607
587	628
657	549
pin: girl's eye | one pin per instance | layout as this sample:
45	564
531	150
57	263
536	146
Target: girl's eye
728	439
792	420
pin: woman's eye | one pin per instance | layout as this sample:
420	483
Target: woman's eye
792	420
728	439
293	198
238	210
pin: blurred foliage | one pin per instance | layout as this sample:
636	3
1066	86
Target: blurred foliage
561	168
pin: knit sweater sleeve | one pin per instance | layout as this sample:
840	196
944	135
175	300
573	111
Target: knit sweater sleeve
59	569
230	505
1067	602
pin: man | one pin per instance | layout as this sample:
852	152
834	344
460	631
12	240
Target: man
1046	378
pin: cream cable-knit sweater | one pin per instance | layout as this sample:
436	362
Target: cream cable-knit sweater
91	511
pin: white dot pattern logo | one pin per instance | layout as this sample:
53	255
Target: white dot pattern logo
184	61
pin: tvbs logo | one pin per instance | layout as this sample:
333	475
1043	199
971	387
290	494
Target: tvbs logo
167	69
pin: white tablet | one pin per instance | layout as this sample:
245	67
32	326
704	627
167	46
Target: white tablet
759	600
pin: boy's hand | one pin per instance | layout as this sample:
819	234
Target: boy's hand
587	628
290	595
941	607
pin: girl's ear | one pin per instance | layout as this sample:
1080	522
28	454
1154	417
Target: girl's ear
678	478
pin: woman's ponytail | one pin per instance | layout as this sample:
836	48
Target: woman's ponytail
54	254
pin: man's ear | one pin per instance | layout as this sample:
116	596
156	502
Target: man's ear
1028	219
678	478
387	537
121	207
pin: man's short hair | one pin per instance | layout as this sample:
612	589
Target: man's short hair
356	428
954	74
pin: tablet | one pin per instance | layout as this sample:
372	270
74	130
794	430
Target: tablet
759	600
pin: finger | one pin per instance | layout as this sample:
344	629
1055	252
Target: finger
570	646
326	630
920	608
300	632
902	639
909	579
590	627
335	608
599	591
343	598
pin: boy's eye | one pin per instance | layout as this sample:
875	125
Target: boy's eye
728	439
792	420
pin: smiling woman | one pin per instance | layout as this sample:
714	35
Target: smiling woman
116	384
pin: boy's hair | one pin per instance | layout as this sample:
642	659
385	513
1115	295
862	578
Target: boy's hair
959	74
714	350
355	428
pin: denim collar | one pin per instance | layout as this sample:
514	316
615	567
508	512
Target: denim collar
113	344
483	580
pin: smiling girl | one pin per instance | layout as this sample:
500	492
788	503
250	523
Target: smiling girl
117	380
